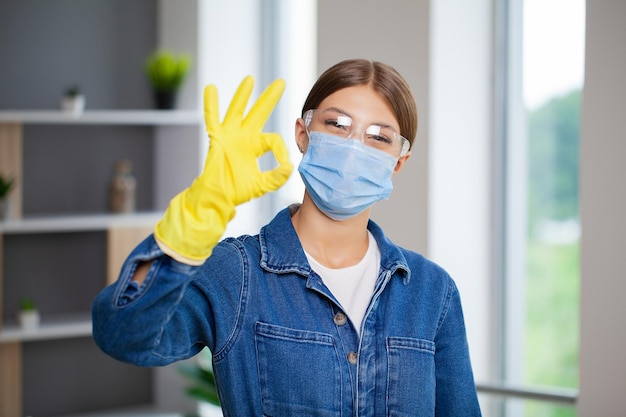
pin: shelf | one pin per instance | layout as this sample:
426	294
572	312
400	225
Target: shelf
104	117
49	329
78	223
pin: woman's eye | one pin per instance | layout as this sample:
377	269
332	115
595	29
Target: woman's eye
379	138
335	124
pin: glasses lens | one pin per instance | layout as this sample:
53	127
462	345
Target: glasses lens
383	138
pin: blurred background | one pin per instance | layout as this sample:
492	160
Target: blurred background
513	185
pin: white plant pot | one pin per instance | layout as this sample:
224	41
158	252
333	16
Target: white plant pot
74	105
29	320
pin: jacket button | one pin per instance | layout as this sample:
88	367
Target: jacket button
340	319
353	358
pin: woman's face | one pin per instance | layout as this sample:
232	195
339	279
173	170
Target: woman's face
363	105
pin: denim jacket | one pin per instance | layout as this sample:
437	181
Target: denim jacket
281	343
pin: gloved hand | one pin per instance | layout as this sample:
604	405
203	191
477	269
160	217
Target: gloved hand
196	218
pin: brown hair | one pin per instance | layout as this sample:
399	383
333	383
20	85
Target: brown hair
384	79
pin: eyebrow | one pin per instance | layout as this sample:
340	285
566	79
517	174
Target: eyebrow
340	110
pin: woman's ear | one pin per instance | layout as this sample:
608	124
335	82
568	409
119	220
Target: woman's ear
302	137
401	161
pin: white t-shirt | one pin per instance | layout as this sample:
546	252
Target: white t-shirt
352	286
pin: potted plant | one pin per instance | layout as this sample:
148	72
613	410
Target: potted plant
73	100
6	185
28	314
167	72
202	384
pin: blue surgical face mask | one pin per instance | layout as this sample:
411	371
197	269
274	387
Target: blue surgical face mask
343	176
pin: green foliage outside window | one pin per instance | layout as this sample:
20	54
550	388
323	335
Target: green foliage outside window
553	274
553	160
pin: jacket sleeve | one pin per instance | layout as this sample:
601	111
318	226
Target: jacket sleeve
170	316
455	387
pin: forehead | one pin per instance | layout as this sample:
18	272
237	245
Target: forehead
362	103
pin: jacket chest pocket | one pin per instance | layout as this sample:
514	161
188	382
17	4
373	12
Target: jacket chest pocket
410	377
299	372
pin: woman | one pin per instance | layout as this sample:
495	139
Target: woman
319	314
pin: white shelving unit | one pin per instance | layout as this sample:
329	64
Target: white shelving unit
174	152
121	232
66	326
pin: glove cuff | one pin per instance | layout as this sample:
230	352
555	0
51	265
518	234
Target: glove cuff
189	234
172	253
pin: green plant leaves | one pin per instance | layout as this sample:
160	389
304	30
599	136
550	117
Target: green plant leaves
202	383
5	186
167	71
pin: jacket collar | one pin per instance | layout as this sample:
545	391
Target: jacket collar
281	251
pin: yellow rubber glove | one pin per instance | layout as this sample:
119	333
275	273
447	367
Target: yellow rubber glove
196	219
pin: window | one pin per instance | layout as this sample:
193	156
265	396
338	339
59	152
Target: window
541	77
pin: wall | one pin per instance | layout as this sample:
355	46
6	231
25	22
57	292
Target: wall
460	144
101	46
603	205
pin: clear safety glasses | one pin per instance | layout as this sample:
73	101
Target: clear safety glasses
380	137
